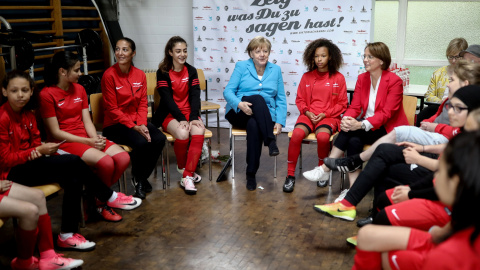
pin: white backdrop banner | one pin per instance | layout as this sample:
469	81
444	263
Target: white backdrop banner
223	29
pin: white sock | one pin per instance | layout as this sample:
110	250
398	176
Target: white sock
65	236
113	197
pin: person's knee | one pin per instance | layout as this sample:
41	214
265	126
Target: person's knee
323	138
38	197
364	236
29	212
182	134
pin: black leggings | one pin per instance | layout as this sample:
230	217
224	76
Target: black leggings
144	155
354	141
259	128
71	172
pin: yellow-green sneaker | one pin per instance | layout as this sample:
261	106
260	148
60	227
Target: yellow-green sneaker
337	210
352	240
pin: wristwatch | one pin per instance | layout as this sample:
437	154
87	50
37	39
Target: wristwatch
363	126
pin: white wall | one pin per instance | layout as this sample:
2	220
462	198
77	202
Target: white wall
150	23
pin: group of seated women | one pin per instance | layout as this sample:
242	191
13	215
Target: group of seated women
256	101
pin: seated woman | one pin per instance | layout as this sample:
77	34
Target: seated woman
437	89
256	102
29	207
25	160
321	98
436	130
178	113
389	165
377	102
454	246
125	119
64	109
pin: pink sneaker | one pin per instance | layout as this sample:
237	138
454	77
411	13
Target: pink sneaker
187	183
58	262
125	202
29	264
76	242
196	178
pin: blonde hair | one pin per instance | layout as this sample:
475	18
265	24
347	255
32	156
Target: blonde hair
467	71
258	42
455	46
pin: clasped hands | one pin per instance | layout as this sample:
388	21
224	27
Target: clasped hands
349	123
315	118
143	130
188	125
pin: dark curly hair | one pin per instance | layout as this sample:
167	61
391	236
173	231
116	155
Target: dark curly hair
336	58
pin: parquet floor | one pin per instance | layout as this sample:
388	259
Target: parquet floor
223	226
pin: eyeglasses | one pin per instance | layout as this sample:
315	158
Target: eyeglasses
456	57
456	109
369	57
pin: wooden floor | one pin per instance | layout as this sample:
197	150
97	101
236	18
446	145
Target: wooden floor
223	226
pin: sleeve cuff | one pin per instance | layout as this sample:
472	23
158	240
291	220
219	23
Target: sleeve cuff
368	126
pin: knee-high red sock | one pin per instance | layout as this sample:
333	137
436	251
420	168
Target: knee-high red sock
194	153
323	146
294	148
121	161
367	260
180	148
104	169
26	241
45	238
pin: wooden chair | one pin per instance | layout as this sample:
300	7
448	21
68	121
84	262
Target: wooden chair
236	132
96	107
170	139
151	86
206	105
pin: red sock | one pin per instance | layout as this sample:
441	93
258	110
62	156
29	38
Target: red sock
26	241
121	161
346	203
180	148
368	260
294	148
45	239
194	153
105	168
323	146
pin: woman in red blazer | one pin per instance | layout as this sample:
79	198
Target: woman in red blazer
375	110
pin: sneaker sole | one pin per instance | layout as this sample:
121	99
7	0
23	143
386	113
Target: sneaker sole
319	179
330	215
76	249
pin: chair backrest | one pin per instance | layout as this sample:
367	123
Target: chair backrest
201	79
96	105
151	83
410	107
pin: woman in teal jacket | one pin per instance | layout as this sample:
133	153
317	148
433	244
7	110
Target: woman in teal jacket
256	102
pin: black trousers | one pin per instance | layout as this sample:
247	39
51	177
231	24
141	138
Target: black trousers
71	172
354	141
259	128
385	169
144	155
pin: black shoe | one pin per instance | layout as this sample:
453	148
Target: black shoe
147	186
348	164
322	183
139	189
273	149
289	184
251	183
365	221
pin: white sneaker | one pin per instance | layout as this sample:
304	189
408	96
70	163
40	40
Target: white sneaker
342	195
317	174
196	178
187	184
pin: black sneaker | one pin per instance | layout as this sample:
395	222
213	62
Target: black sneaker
322	183
251	183
348	164
139	189
273	149
147	186
364	221
289	184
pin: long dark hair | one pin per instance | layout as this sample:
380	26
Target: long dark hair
63	59
32	104
167	62
334	63
462	156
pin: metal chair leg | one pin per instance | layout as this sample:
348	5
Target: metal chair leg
218	126
168	167
209	142
233	152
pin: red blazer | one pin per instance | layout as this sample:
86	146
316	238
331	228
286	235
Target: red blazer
388	105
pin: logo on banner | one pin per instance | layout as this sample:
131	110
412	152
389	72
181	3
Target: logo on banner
354	21
289	51
287	93
207	8
209	38
204	49
204	28
339	9
199	39
217	80
240	39
354	42
218	18
227	70
225	28
296	62
315	8
211	59
284	41
274	61
363	10
225	49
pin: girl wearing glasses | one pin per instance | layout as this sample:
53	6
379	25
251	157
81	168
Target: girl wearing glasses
437	90
375	110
